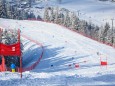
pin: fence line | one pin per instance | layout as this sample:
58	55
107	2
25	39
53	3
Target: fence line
38	61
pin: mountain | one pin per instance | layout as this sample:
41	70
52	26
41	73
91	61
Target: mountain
69	59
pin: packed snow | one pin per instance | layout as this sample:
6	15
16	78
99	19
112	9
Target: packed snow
63	50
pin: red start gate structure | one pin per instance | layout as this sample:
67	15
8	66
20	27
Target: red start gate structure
10	50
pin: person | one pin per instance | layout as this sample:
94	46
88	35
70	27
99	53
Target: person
98	53
51	65
13	67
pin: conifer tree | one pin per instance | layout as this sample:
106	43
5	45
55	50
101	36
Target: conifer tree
52	15
67	19
46	15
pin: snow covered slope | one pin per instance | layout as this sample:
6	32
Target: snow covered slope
91	10
63	49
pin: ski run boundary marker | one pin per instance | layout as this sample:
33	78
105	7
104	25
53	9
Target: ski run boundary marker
38	61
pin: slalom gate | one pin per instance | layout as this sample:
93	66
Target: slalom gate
8	51
15	50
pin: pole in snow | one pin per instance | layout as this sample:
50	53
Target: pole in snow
112	30
21	54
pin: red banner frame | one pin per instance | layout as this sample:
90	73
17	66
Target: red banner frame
10	50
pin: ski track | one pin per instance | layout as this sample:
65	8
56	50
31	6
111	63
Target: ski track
62	48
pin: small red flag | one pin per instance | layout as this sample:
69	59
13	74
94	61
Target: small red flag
103	63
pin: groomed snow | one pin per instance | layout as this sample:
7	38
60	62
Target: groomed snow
62	49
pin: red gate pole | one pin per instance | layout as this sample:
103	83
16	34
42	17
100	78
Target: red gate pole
3	63
21	66
20	55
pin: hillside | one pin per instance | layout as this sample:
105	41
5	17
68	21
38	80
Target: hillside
94	11
63	50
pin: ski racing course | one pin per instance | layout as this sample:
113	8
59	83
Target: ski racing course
69	58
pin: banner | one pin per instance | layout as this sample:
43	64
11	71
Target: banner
10	50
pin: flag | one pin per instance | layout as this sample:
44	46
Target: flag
10	50
103	63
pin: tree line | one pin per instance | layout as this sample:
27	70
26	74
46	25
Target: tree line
63	17
69	19
12	11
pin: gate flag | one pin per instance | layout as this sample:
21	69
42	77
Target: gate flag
10	50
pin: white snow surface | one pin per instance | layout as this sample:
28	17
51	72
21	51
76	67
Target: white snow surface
93	11
62	48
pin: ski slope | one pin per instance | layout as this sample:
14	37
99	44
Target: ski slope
63	49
